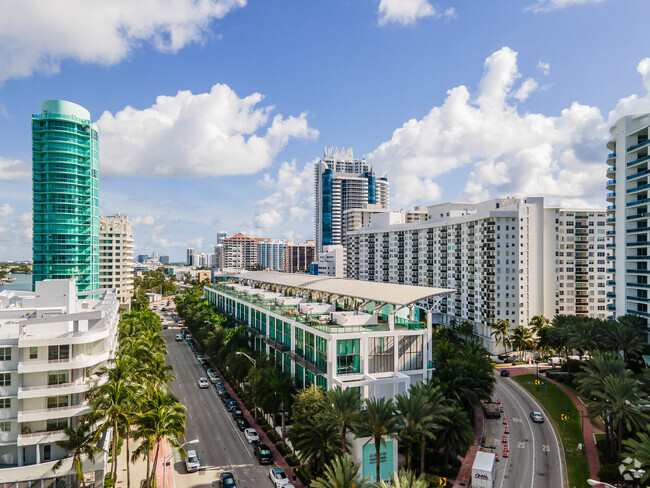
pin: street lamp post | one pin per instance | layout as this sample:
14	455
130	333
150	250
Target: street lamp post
599	483
240	353
193	441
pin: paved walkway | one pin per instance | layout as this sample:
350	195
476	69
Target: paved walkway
588	429
465	472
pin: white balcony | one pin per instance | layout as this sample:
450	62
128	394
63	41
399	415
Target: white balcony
41	437
86	337
54	413
77	362
79	386
44	470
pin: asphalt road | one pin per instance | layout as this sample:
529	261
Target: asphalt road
534	455
221	446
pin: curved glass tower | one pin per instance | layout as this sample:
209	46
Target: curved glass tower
65	165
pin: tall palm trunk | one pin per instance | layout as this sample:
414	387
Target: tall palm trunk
377	459
284	428
620	438
409	450
148	468
116	440
155	462
343	443
128	458
422	448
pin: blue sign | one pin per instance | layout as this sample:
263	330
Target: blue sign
369	466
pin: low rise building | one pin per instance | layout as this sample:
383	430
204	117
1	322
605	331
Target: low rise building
52	347
329	263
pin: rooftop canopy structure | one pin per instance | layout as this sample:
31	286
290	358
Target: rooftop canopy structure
388	293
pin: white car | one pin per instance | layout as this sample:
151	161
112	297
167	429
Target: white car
179	338
278	477
203	383
251	436
192	462
213	377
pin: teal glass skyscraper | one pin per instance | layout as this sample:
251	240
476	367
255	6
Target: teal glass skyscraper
65	167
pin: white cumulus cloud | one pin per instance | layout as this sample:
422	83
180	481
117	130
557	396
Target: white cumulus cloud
207	134
36	36
13	169
548	5
543	67
407	12
505	152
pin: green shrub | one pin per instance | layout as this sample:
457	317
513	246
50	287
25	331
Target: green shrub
303	475
282	448
609	473
109	482
432	479
273	436
292	460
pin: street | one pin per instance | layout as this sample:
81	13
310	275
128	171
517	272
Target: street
534	458
221	446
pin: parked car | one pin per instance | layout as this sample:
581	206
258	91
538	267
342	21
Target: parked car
203	382
164	309
242	424
263	454
192	462
537	417
231	404
251	436
178	338
278	477
505	372
237	413
213	378
227	480
225	396
219	382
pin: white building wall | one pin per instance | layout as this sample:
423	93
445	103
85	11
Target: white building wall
116	256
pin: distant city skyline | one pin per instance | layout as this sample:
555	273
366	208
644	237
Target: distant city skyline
211	119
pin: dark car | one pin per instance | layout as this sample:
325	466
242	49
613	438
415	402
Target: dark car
227	481
505	372
243	424
225	397
237	413
263	454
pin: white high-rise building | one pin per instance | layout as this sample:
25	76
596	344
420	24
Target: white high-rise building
116	256
270	254
341	183
190	256
329	262
507	259
52	347
629	214
221	237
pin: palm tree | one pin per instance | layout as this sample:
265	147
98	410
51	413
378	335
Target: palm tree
405	479
625	337
80	442
639	449
112	406
274	391
455	433
521	339
414	412
377	420
345	409
438	410
163	417
626	404
501	333
539	322
342	472
466	328
318	443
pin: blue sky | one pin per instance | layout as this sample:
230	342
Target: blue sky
211	112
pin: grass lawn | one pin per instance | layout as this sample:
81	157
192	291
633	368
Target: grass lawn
556	403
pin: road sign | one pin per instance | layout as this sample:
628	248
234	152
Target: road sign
443	481
564	417
537	382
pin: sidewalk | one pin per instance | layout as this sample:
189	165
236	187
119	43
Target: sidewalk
588	430
139	468
465	472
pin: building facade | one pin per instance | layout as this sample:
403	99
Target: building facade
341	183
628	214
298	257
65	174
52	348
270	254
116	256
507	259
190	256
240	252
329	262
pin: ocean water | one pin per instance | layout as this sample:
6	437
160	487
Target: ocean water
23	282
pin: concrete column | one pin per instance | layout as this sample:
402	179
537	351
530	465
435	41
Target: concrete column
364	349
38	454
395	352
21	457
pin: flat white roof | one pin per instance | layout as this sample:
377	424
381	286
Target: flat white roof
394	294
484	461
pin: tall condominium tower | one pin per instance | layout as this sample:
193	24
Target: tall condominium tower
65	161
629	214
190	256
341	183
116	256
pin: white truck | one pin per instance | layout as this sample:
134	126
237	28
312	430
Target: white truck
484	470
